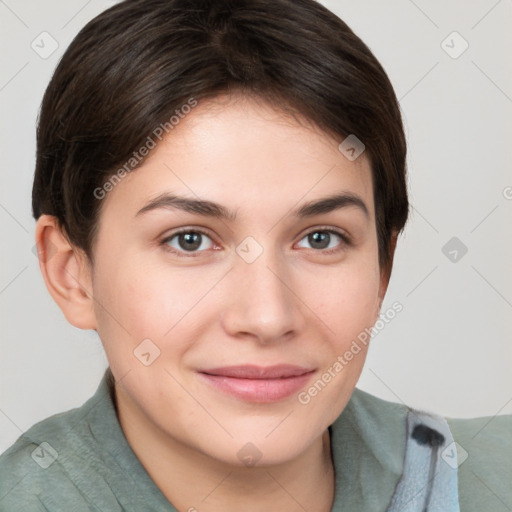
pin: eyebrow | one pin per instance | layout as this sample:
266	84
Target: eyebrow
215	210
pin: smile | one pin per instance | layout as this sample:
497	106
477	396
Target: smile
258	384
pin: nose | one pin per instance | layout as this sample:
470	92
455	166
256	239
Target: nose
263	301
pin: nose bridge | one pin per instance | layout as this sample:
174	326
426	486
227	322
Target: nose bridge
262	302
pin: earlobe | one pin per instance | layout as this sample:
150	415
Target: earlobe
66	272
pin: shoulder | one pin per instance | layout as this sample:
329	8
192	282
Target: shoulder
44	469
482	447
484	453
33	467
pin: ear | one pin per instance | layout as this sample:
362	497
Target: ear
385	273
67	273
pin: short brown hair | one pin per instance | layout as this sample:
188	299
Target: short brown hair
131	67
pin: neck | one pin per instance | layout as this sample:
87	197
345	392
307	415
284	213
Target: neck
195	482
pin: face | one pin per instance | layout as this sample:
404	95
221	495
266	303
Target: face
218	317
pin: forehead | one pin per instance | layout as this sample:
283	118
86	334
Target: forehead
247	155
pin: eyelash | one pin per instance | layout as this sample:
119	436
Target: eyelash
346	241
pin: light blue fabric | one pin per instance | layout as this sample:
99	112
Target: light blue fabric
429	481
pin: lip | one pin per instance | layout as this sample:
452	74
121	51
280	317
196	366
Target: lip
258	384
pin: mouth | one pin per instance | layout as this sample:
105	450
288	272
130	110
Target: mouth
258	384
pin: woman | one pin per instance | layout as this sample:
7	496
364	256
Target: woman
219	189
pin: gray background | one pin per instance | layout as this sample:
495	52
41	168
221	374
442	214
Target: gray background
449	350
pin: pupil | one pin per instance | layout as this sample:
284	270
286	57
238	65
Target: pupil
319	240
190	241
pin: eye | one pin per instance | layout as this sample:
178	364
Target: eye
326	240
188	241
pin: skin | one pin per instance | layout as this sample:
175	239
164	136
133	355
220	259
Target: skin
294	304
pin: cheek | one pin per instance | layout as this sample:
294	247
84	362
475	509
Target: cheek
163	299
346	301
137	301
348	308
